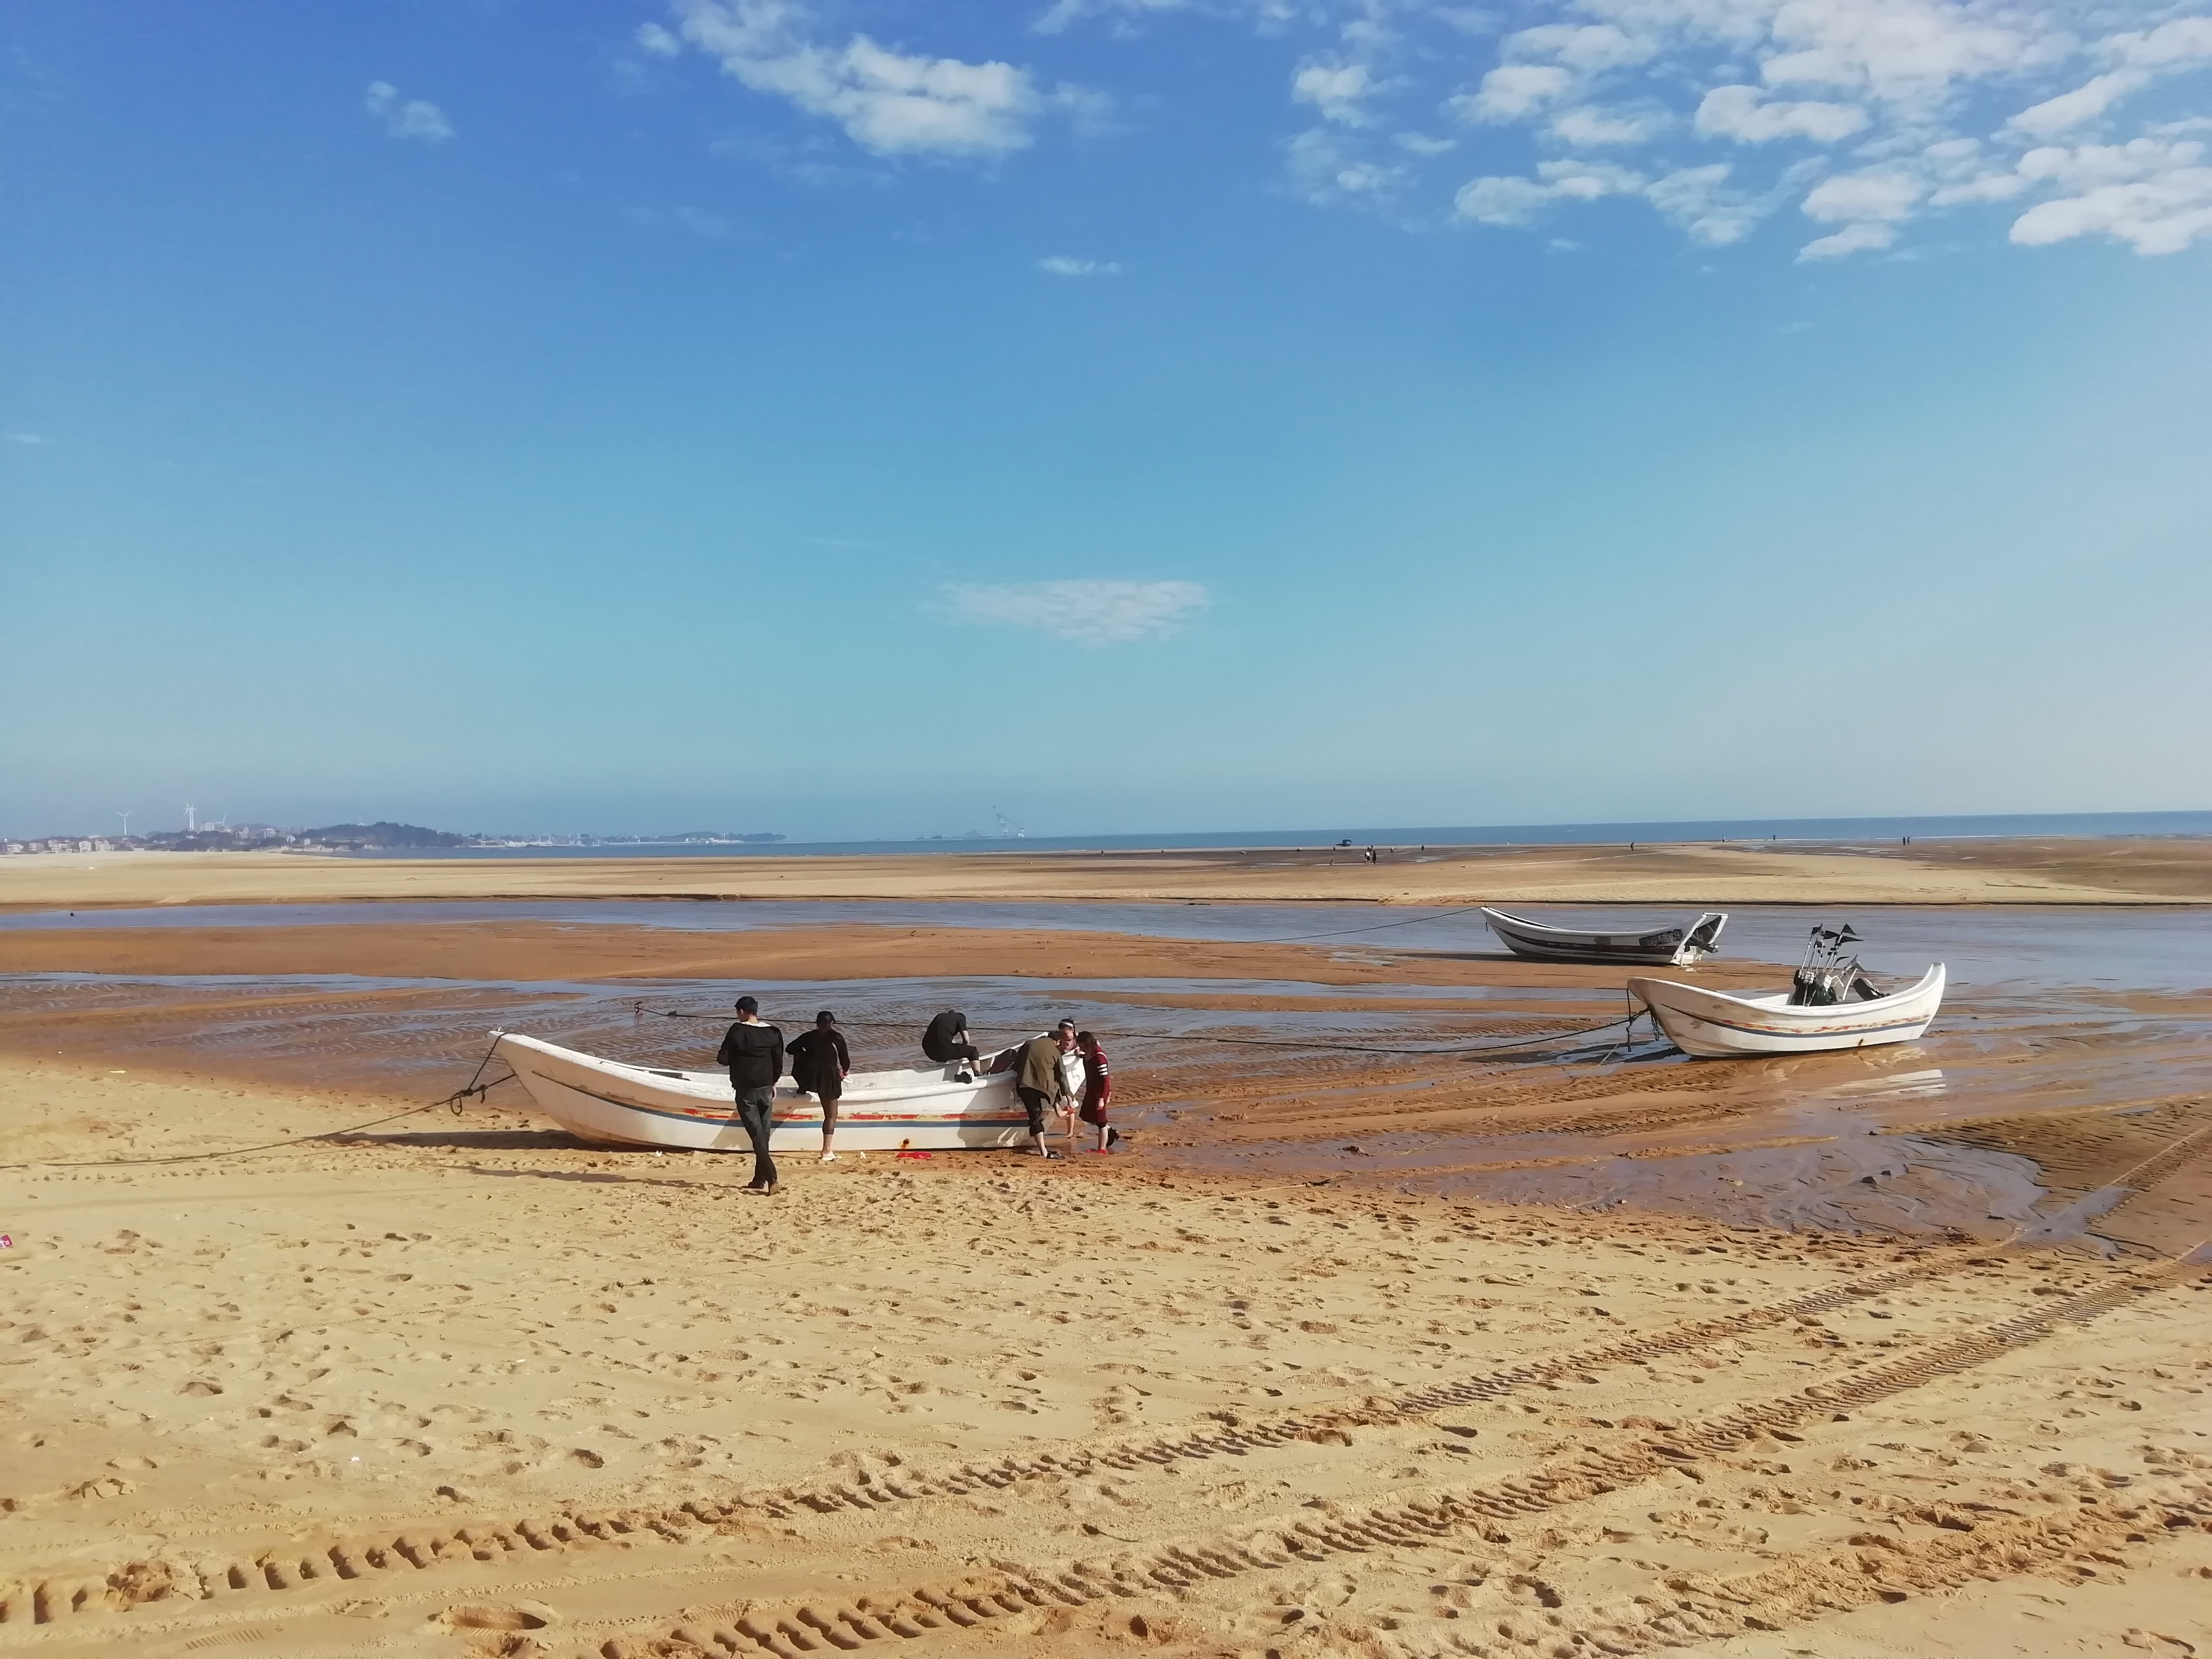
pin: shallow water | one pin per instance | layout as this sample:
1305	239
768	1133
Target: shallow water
2129	948
2053	1011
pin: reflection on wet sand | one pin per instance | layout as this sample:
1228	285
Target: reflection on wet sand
2074	1045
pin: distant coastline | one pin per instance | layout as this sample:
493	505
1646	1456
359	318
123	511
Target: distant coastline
1806	831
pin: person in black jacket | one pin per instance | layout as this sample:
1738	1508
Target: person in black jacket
819	1060
753	1050
946	1040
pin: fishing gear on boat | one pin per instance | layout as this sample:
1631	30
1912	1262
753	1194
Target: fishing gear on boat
475	1088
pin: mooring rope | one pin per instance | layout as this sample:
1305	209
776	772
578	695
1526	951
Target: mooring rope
475	1087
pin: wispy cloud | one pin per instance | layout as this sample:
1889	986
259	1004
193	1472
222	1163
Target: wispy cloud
1063	264
888	102
407	118
1092	612
1874	117
35	440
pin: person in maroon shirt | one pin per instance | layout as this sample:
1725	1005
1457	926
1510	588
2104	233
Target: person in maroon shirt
1097	1090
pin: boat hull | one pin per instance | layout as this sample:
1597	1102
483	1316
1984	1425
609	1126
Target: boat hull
1674	947
613	1103
1715	1026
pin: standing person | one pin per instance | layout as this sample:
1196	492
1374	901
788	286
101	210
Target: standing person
1041	1081
1097	1090
819	1062
946	1040
753	1050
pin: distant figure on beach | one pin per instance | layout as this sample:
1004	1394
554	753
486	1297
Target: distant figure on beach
1097	1090
946	1039
1041	1082
819	1063
753	1050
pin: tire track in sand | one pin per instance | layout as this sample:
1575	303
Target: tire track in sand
180	1575
870	1619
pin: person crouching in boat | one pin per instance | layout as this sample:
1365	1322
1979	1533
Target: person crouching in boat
1041	1082
946	1040
753	1050
1097	1090
819	1062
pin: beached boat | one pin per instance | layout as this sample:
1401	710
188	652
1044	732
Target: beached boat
612	1103
1674	947
1713	1025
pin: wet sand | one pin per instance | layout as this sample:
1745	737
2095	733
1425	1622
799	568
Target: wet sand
1582	1349
2057	872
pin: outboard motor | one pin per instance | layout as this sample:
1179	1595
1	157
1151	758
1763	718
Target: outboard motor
1828	975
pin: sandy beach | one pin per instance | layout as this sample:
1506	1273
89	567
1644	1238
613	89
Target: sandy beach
1360	1353
2023	871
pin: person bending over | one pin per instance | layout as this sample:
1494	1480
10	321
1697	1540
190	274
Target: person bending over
1041	1082
819	1063
753	1050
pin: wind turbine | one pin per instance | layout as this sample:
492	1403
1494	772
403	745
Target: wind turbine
125	816
191	824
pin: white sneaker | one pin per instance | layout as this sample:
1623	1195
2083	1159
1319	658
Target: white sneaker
828	1157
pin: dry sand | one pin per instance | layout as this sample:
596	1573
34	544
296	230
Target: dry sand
457	1387
2113	872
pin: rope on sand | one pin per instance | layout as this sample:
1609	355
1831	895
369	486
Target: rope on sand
476	1087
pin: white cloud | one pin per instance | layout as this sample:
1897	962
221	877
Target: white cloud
407	118
35	440
1062	265
1874	116
888	102
2183	40
2155	197
1324	171
1901	51
1502	200
1701	201
1745	114
1334	89
1587	47
1852	239
2085	103
1587	125
653	38
1093	612
1513	91
1882	195
1514	201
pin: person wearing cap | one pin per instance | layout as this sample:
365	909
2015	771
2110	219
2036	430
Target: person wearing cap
819	1063
753	1050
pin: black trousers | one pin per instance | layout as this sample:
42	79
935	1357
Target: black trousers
756	1111
953	1051
1033	1103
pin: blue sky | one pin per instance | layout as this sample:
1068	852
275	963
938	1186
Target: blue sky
845	419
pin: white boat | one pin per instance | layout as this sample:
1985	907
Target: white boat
1675	947
612	1103
1716	1026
